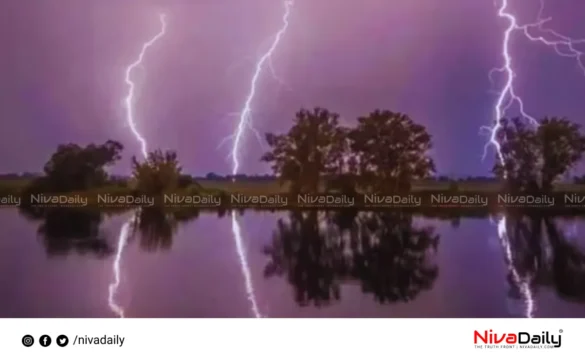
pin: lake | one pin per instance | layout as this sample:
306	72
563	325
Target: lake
68	263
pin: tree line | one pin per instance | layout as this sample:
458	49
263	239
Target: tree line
384	153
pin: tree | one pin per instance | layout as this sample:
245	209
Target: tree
159	173
535	157
391	151
73	167
311	150
212	176
185	181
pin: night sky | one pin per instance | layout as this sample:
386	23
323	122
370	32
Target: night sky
62	72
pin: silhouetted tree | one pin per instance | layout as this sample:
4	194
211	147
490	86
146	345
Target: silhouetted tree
212	176
535	157
159	173
391	151
74	168
312	149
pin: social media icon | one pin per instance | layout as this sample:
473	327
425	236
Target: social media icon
28	340
45	340
62	340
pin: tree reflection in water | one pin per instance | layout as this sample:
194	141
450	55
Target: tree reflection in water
543	256
156	227
382	251
66	230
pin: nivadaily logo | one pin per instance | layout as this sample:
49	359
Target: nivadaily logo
490	339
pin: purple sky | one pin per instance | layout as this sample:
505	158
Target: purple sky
63	62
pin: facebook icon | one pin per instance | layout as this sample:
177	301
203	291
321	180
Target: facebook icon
45	340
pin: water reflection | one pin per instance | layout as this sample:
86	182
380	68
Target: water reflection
115	307
384	252
344	263
540	254
66	230
243	259
156	228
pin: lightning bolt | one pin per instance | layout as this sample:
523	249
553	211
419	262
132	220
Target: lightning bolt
129	106
245	121
246	113
113	288
563	46
129	100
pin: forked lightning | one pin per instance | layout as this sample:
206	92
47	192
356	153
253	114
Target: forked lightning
245	122
129	107
129	100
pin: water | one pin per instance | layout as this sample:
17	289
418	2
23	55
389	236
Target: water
193	268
